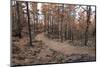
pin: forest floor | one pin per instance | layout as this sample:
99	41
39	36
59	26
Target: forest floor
47	51
65	47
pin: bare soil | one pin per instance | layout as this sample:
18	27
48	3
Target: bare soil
47	51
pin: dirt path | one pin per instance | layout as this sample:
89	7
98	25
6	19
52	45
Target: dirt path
64	47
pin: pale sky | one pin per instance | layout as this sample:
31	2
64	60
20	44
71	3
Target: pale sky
39	7
92	2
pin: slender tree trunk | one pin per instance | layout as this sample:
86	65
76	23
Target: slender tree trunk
59	22
28	15
37	23
94	31
45	22
62	21
48	24
88	22
52	28
18	20
65	29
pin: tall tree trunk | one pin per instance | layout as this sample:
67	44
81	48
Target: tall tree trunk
62	21
18	19
94	31
29	27
37	22
59	21
65	29
88	22
45	23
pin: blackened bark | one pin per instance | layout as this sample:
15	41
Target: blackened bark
58	22
62	20
29	27
94	31
18	20
45	22
88	22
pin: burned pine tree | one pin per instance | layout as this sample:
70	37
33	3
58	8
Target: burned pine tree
62	22
88	22
18	19
94	31
14	19
29	26
18	15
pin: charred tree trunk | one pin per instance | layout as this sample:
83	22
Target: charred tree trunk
48	24
65	30
18	20
88	22
45	22
62	21
94	31
59	22
52	29
29	26
37	22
